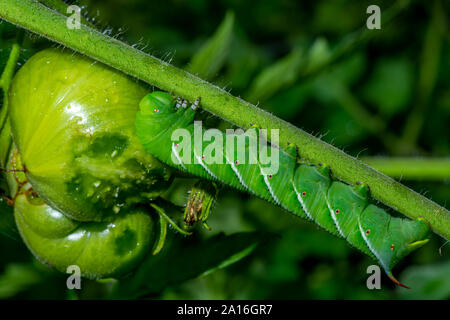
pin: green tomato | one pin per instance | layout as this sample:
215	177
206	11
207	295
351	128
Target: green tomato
100	249
72	120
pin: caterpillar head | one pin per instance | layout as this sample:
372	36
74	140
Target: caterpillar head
157	103
159	113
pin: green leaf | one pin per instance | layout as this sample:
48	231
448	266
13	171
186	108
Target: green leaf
427	282
186	258
279	75
343	129
346	73
211	57
17	278
243	63
318	55
287	103
7	223
390	86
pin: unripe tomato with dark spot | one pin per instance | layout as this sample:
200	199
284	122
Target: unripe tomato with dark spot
72	120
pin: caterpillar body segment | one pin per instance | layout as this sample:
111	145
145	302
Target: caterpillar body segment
305	190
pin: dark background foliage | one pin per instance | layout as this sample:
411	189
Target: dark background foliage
388	94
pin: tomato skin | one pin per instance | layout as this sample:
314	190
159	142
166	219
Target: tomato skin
72	120
100	249
87	175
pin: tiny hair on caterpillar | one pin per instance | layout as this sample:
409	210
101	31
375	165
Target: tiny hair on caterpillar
307	191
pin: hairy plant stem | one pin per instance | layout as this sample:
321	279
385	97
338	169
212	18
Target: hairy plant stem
5	83
11	63
409	168
7	75
57	5
32	15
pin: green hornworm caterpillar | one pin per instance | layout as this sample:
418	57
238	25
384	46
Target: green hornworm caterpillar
86	173
305	190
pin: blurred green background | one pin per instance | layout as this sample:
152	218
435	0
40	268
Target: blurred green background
315	64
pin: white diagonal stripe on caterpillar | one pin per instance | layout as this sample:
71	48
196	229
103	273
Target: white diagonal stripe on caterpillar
299	197
199	159
177	156
238	174
333	215
366	240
